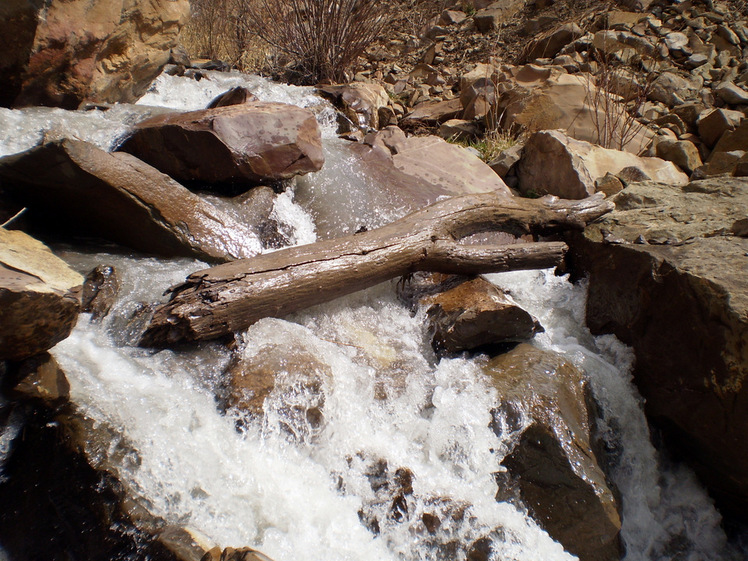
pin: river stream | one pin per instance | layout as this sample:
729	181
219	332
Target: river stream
295	489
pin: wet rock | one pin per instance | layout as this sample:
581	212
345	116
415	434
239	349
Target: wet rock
186	544
235	96
99	291
39	296
681	302
553	462
238	145
287	383
47	60
38	377
72	186
553	163
360	101
237	554
475	314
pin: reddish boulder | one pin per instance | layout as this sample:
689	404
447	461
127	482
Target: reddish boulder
237	144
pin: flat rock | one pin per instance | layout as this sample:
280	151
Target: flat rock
39	296
667	276
73	186
554	163
239	145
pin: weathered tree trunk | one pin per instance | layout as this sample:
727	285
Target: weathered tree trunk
232	296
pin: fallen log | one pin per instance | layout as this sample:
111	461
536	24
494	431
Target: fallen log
232	296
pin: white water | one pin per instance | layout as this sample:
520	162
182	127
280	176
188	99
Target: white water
295	490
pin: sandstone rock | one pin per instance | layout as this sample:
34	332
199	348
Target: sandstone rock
39	377
459	129
48	60
239	144
71	185
672	89
623	44
730	93
39	297
478	99
506	160
288	381
235	96
539	99
558	474
452	17
360	101
553	163
99	291
432	112
682	153
551	45
681	301
608	184
713	124
720	163
474	314
736	139
489	18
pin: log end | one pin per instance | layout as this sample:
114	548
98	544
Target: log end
166	330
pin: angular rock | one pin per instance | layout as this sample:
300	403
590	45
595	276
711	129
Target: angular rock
682	153
432	112
239	145
720	163
489	18
361	101
681	301
731	140
185	543
99	291
474	314
459	129
71	185
235	554
730	93
553	462
506	160
39	297
235	96
550	45
672	89
713	124
553	163
39	377
48	60
546	98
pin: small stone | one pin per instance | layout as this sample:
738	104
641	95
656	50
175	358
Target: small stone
730	93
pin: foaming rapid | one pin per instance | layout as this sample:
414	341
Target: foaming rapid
401	440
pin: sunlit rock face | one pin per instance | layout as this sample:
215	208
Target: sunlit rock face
61	53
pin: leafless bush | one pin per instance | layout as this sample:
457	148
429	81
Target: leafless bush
615	95
321	38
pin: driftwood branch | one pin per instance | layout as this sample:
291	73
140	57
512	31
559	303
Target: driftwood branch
232	296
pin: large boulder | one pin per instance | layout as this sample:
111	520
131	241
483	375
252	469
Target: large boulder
539	98
554	163
667	275
39	296
71	185
553	463
62	52
239	145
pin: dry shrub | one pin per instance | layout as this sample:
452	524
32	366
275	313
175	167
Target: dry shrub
615	95
320	38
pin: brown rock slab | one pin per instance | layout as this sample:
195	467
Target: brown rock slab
713	124
73	186
39	297
39	377
239	145
680	299
361	101
553	463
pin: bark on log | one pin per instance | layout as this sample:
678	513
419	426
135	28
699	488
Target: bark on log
232	296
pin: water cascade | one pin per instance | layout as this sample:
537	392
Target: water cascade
393	414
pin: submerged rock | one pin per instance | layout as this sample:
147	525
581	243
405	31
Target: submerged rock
70	185
667	275
99	291
554	163
238	145
62	52
39	296
544	398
